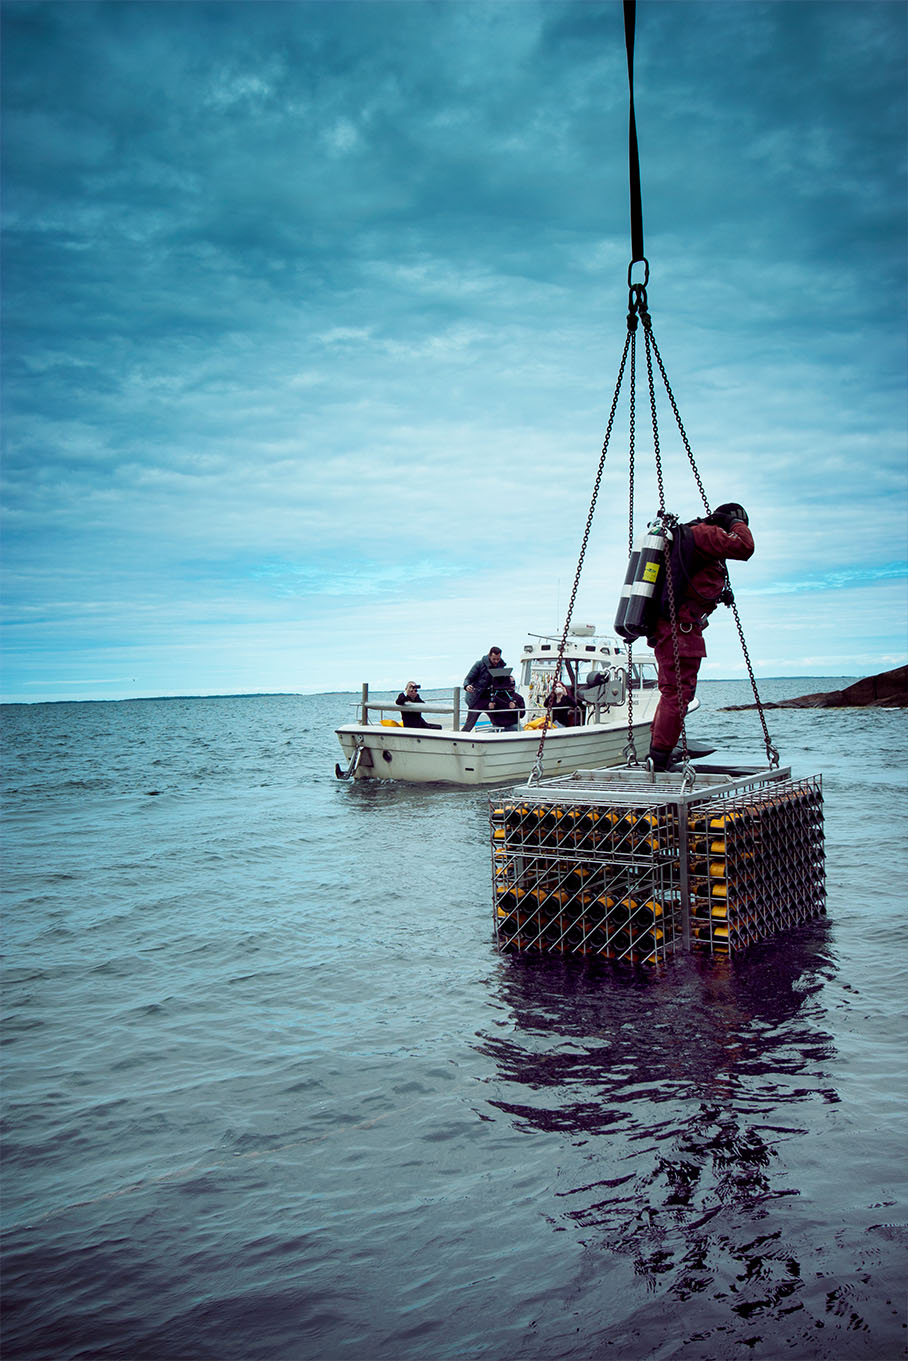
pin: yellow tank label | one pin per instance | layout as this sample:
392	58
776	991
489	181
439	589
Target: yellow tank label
651	571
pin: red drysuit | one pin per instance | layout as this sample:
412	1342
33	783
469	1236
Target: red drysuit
713	546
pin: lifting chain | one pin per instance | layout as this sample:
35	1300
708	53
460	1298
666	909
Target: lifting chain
630	751
682	432
638	306
670	522
657	451
638	311
772	754
536	772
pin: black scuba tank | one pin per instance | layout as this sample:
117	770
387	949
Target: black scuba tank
642	585
629	579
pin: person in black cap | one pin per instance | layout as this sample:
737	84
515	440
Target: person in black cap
410	695
478	685
723	534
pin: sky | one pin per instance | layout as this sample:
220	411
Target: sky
313	314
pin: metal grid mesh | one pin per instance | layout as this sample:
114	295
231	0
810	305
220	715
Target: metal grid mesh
633	869
586	879
756	865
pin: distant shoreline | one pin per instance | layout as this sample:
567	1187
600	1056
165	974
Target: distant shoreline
354	694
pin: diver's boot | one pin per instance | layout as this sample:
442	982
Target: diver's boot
659	760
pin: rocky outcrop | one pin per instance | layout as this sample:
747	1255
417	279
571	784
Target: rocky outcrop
888	690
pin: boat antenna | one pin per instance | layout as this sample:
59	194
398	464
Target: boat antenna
638	314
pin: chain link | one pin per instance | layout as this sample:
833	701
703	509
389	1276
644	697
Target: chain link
638	310
672	604
772	754
684	439
631	439
630	751
670	522
536	773
648	338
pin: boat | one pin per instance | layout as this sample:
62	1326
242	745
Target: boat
595	667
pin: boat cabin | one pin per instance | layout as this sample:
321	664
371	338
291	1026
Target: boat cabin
594	668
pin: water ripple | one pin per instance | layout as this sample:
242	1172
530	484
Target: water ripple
269	1091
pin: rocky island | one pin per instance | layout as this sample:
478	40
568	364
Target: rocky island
888	690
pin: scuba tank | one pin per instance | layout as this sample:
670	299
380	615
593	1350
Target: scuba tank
621	612
644	572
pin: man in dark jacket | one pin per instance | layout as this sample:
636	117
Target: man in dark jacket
410	695
722	535
478	685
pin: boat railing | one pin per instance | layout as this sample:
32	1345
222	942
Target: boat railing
368	705
602	701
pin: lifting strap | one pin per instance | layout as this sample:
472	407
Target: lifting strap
630	11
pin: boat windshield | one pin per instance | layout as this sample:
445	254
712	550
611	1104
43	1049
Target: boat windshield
643	676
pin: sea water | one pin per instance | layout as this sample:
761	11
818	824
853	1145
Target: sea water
270	1091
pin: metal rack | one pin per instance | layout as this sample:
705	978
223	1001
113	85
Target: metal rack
756	866
630	866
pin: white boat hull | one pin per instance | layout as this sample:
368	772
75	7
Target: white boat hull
420	756
446	755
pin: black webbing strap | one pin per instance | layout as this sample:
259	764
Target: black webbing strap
630	11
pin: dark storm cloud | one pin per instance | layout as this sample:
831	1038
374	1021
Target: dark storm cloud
297	295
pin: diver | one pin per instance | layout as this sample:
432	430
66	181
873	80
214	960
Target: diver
723	534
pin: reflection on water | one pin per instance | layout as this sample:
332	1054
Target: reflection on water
679	1090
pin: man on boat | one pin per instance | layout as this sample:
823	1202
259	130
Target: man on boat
722	535
478	685
410	695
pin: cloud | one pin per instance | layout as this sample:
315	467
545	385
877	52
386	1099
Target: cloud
837	579
312	325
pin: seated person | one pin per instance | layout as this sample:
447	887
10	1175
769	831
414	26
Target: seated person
563	707
410	695
506	706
